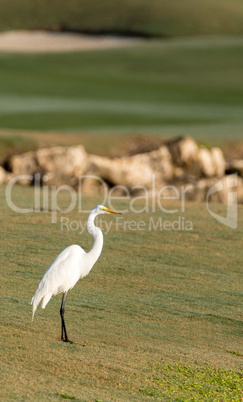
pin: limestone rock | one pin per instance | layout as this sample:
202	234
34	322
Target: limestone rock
184	151
122	171
218	162
71	161
62	161
235	166
24	164
211	162
3	175
175	163
133	171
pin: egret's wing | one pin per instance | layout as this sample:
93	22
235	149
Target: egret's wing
63	268
60	276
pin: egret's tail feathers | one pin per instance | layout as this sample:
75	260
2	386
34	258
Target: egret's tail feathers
37	299
35	302
46	299
33	314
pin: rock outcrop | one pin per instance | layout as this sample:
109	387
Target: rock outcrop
235	166
177	162
211	162
134	170
3	175
56	163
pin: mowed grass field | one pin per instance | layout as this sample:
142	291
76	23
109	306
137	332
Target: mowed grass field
167	88
158	317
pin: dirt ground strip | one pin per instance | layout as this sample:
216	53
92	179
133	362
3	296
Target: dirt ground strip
41	41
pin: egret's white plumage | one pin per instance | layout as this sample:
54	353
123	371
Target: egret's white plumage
61	275
72	264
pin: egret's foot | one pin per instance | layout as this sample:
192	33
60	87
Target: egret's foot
67	340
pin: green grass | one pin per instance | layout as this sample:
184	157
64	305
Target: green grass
191	383
134	17
168	88
158	318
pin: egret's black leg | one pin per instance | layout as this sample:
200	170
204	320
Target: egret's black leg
64	336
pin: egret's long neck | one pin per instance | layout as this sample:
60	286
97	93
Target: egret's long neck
94	253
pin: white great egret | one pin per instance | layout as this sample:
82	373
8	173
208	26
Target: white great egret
69	266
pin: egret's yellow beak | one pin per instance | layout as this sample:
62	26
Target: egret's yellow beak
111	211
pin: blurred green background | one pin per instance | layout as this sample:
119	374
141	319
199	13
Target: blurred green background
184	78
161	18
